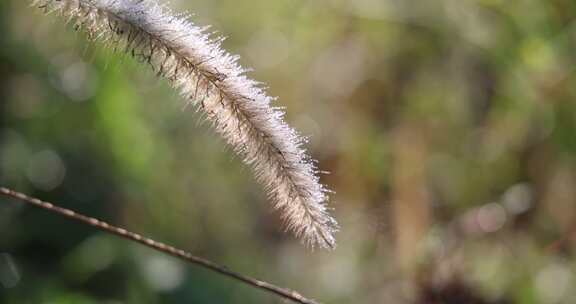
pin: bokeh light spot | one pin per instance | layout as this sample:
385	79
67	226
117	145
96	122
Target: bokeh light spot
46	170
491	217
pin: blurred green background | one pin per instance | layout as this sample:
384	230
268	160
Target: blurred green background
448	126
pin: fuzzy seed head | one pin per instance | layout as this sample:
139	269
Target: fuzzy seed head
212	80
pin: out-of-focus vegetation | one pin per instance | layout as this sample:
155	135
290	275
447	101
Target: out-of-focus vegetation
449	128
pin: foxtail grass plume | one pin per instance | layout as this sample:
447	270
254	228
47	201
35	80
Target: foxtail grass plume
212	80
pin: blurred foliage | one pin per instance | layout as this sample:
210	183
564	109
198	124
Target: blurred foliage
448	126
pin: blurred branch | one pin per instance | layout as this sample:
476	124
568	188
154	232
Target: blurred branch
158	246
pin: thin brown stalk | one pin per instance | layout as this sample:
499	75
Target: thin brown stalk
158	246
